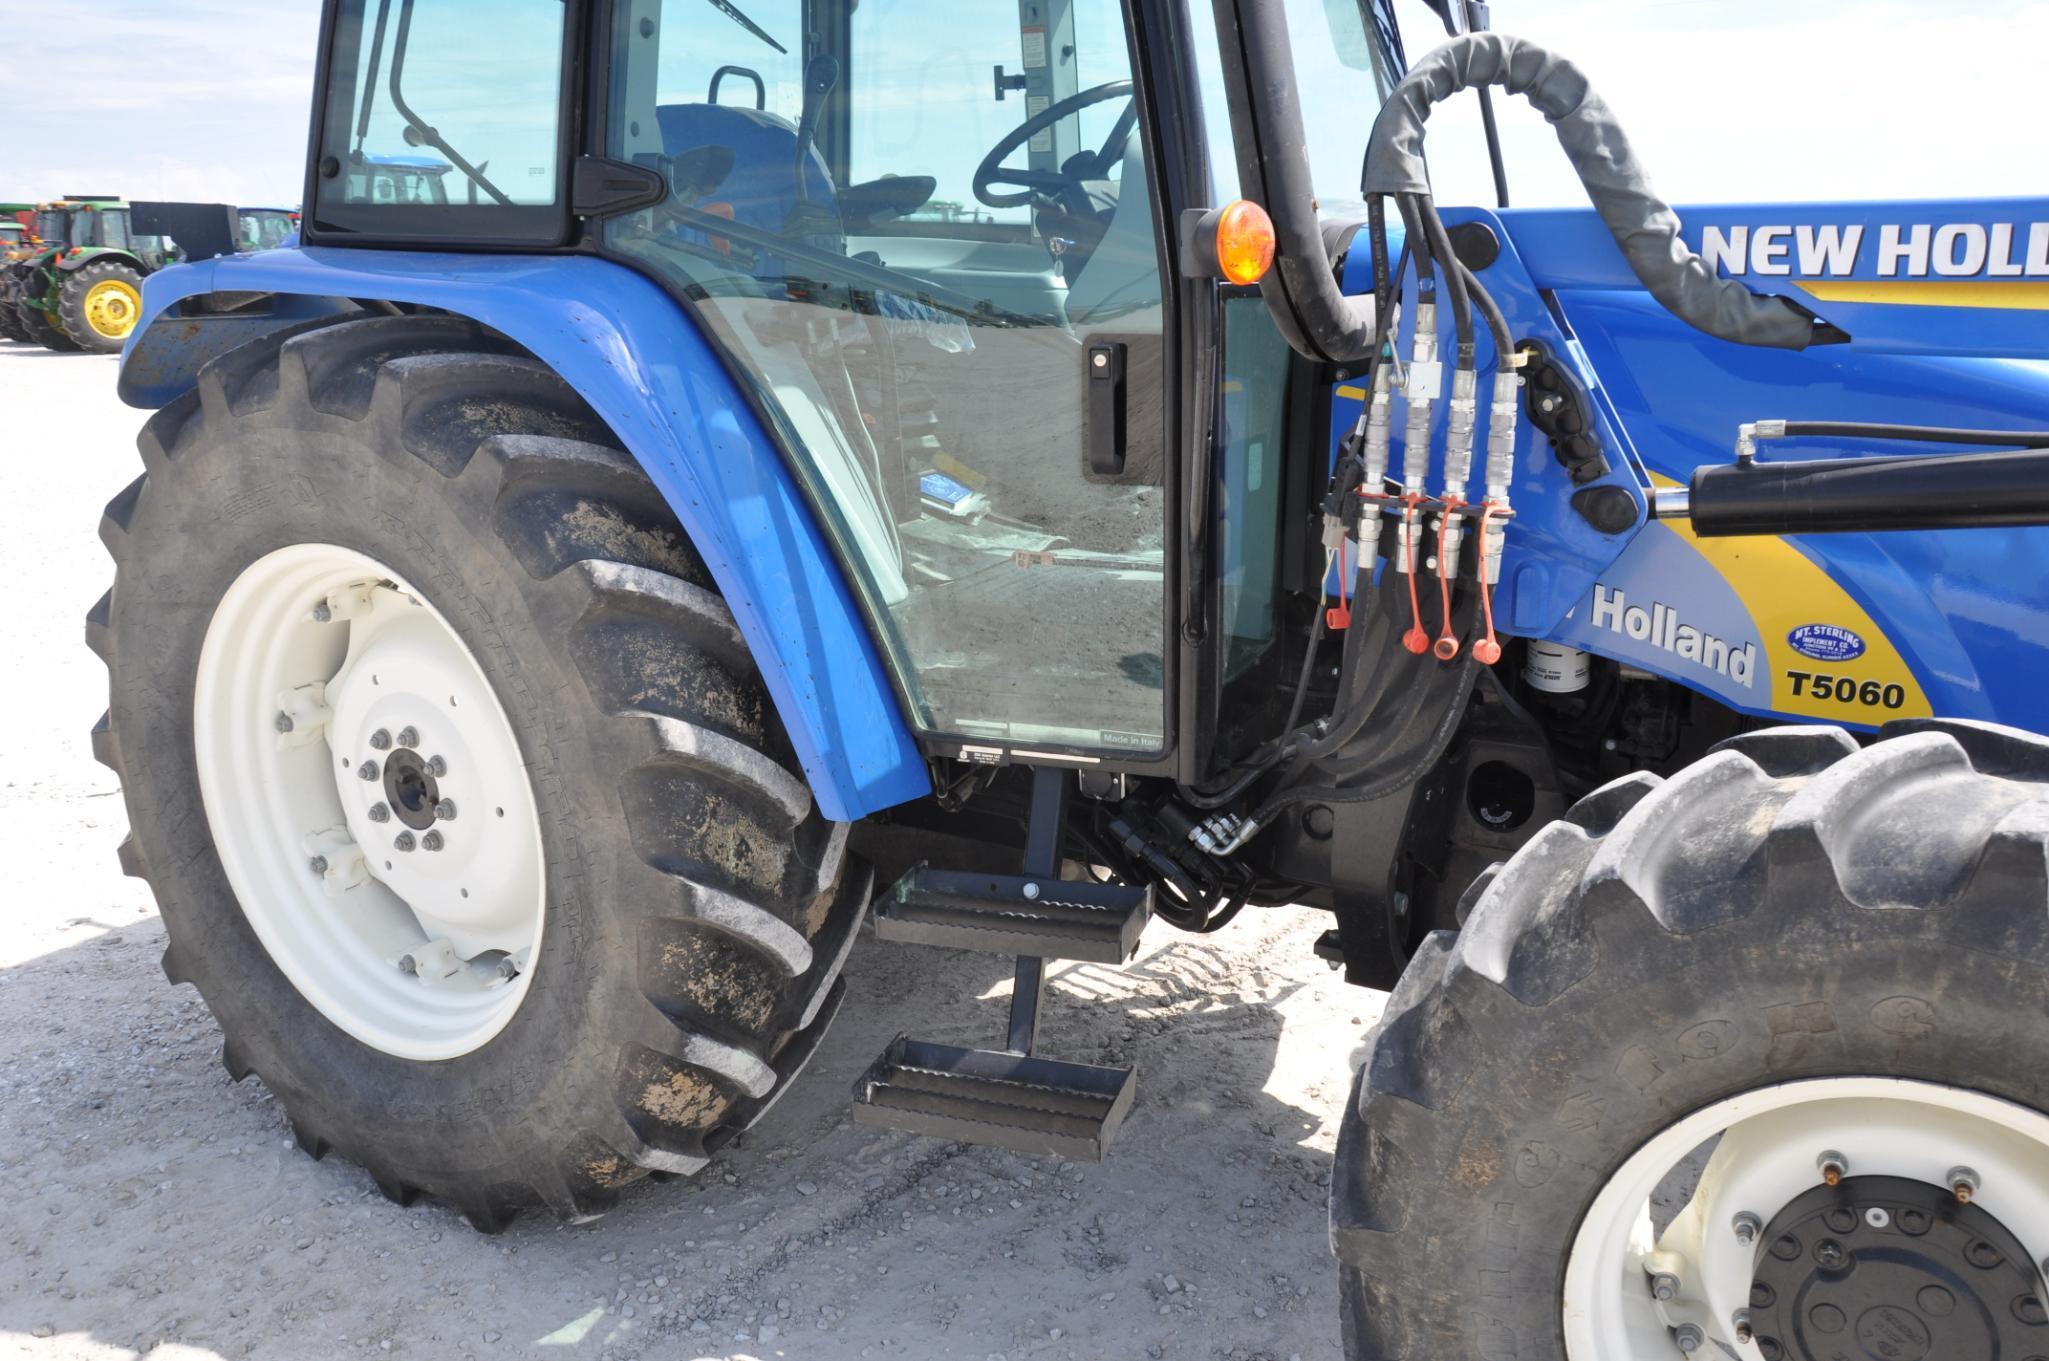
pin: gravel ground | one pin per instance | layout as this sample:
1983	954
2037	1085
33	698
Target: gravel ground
147	1204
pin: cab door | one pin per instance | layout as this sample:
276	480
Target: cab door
926	235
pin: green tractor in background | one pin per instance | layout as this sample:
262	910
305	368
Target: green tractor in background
82	290
18	241
77	282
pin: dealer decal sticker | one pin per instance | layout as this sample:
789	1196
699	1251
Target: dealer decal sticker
1826	643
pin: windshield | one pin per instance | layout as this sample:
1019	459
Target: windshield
51	226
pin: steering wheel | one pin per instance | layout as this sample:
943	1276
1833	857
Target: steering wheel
1065	183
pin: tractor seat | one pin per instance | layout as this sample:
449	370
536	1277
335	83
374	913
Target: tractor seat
1122	273
761	188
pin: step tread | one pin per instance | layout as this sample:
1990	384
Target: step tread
1015	914
1025	1103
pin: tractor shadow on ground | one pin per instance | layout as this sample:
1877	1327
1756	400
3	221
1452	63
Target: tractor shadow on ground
146	1199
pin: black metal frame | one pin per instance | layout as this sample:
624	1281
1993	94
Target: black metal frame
464	226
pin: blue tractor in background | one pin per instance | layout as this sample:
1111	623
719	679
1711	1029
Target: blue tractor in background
802	477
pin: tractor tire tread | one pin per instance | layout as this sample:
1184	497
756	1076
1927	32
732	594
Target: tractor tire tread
748	903
1780	840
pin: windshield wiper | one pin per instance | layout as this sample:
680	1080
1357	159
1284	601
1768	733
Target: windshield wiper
732	11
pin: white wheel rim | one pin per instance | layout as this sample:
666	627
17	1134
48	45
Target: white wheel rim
423	953
1771	1139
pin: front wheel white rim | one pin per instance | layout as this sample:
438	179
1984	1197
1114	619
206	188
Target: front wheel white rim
369	802
1771	1147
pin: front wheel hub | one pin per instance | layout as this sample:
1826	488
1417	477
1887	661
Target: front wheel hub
1724	1232
416	934
1893	1268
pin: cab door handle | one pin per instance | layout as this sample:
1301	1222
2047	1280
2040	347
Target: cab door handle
1106	364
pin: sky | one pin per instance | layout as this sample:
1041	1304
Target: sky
1724	99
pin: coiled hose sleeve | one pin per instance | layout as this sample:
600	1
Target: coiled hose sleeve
1643	225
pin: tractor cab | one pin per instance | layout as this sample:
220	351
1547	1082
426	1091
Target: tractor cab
927	239
265	228
84	225
398	179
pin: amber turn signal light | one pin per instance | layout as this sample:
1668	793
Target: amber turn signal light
1245	242
1234	243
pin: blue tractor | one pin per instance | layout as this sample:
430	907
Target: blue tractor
829	463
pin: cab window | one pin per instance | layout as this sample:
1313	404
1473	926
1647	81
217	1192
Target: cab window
443	120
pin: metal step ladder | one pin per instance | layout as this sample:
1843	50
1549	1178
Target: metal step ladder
1010	1097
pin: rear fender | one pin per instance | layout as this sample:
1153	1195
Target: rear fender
71	262
633	353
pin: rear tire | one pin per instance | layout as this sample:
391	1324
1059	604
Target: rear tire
1783	921
42	330
10	324
697	906
99	305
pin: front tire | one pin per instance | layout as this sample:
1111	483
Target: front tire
1795	948
694	905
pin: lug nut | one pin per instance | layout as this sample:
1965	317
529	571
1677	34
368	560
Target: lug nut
284	721
1741	1320
445	810
435	765
322	613
431	842
380	812
1689	1337
1830	1253
1963	1184
403	841
318	864
367	770
1747	1226
1665	1286
1833	1166
381	739
409	736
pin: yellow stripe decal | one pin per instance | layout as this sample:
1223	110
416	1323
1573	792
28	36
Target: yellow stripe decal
1356	393
2031	297
1783	589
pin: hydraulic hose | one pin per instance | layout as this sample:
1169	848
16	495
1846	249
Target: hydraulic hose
1917	434
1455	277
1643	225
1490	312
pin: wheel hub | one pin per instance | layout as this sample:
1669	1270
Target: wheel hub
1747	1227
369	802
1893	1269
411	789
111	308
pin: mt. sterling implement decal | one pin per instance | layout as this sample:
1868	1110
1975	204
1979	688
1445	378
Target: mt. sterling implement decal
1825	643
